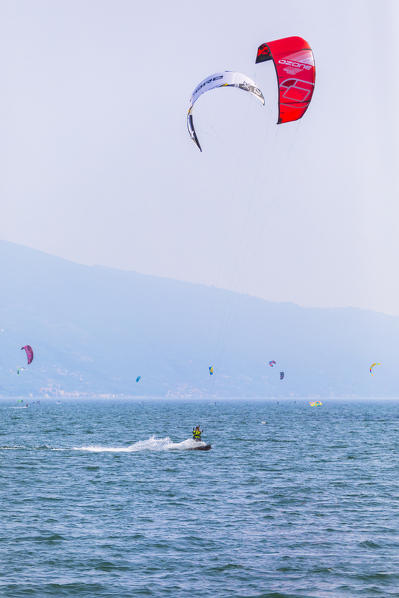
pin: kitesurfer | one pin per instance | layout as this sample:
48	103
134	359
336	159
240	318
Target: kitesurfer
197	433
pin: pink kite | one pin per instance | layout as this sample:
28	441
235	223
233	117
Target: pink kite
29	353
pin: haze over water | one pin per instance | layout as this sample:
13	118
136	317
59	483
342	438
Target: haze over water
100	499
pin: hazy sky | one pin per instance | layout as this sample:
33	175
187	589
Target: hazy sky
98	167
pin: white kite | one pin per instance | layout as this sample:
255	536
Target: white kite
224	79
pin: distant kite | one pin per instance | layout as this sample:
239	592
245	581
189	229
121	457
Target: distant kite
211	370
272	363
282	375
315	403
29	353
138	378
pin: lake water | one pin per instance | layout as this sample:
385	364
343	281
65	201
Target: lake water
102	499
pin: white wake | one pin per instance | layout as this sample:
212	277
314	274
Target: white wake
152	444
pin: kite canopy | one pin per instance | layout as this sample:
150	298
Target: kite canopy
223	79
138	378
296	73
282	375
272	363
29	353
211	370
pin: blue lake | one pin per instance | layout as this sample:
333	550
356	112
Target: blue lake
102	499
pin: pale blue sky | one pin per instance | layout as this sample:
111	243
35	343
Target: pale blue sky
98	167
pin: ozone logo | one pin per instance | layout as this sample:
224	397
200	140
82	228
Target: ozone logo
297	65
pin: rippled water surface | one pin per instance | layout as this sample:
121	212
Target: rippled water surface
102	499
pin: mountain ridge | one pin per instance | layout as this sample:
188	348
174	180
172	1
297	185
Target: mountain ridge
94	329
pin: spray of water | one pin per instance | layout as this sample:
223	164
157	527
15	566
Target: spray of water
152	444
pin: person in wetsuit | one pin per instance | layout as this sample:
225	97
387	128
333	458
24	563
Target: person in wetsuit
197	433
